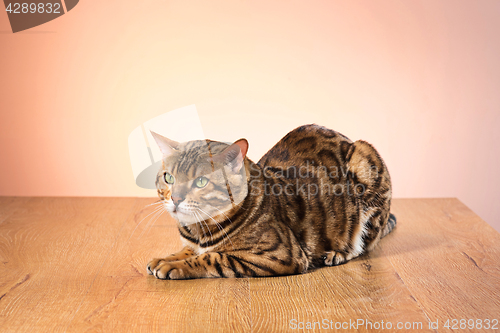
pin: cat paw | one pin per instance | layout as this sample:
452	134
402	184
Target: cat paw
334	258
166	271
157	261
153	264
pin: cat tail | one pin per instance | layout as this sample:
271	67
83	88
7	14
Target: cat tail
391	223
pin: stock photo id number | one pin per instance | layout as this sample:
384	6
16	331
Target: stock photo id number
29	14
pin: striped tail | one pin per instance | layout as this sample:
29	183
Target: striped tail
391	223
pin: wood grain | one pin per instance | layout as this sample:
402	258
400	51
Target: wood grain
79	264
53	250
164	306
450	254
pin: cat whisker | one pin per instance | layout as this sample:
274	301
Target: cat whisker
201	225
198	220
220	211
158	202
211	236
152	222
218	226
156	210
203	221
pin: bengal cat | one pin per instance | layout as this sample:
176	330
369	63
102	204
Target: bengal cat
315	199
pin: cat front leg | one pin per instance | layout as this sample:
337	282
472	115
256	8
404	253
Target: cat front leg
186	252
217	265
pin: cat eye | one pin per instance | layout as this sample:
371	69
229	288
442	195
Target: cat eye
201	182
169	179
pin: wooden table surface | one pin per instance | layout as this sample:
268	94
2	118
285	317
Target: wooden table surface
79	264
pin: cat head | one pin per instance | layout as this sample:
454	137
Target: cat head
200	180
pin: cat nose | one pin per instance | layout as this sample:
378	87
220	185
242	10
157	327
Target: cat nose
177	200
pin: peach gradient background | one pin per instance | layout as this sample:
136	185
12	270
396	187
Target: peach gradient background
419	79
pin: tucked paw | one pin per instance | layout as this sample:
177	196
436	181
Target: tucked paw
153	264
162	271
157	261
334	258
167	271
176	274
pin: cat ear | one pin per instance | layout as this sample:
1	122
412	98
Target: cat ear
167	146
234	155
